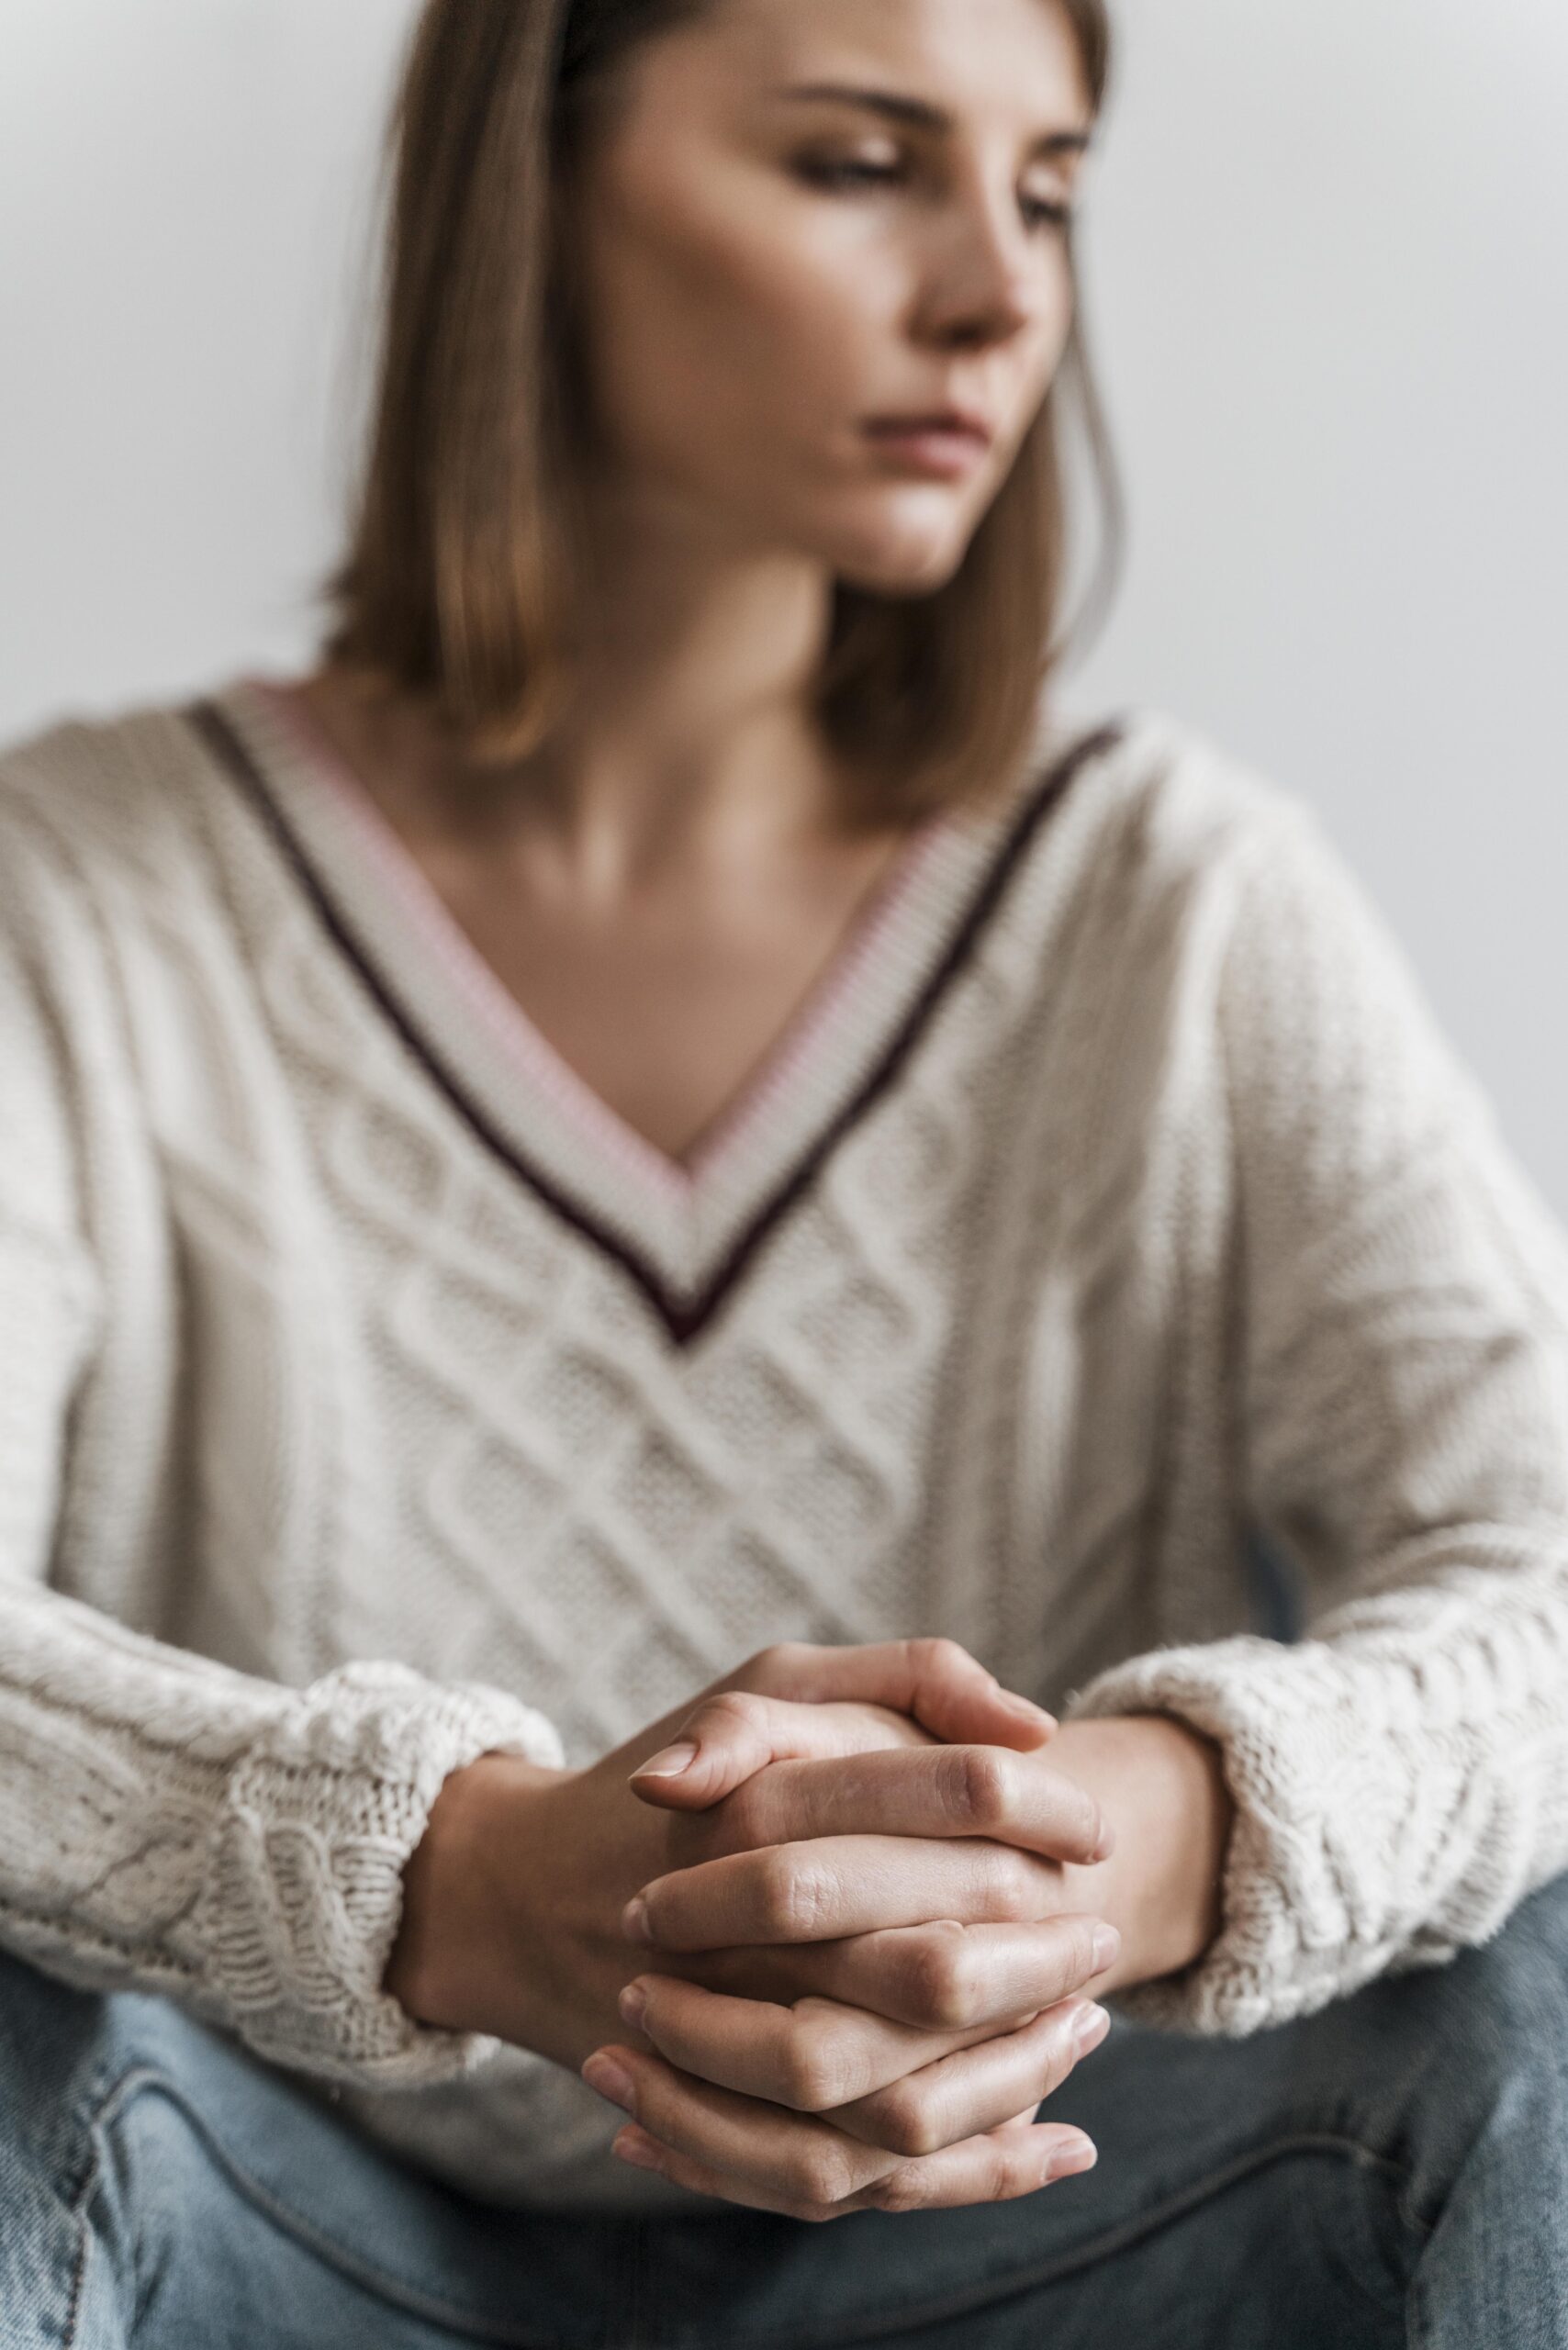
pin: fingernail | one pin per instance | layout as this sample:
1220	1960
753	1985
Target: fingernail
1089	2027
632	2147
1027	1707
634	1920
633	2003
668	1763
1107	1843
1107	1947
611	2080
1077	2155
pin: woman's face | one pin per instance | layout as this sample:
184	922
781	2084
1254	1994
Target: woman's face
767	269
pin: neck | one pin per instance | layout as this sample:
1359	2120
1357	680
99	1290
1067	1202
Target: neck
694	742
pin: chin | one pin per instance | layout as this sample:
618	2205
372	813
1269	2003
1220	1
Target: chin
903	545
904	566
902	577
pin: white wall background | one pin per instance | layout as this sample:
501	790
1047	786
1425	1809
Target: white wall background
1327	278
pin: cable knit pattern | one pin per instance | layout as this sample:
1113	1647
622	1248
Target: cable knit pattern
192	1831
1402	1774
373	1396
302	1890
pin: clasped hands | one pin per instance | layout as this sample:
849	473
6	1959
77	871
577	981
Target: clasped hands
868	1891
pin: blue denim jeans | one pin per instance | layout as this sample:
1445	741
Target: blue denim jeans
1393	2170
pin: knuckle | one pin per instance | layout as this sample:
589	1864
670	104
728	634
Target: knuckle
773	1670
775	1891
819	2175
941	1986
790	1893
977	1784
896	2190
739	1709
813	2069
938	1657
907	2123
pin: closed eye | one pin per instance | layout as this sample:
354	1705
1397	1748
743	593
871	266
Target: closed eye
852	172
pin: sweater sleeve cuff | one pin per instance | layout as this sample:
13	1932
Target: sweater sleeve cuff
1292	1936
303	1889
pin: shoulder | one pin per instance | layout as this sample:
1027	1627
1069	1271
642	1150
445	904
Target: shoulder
1165	830
1187	798
90	838
1296	916
109	846
115	804
97	816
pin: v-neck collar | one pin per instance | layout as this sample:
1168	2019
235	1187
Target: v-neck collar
683	1231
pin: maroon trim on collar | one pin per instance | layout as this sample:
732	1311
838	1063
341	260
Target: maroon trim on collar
685	1319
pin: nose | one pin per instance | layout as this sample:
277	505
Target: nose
984	284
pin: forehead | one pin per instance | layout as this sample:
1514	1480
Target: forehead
1005	60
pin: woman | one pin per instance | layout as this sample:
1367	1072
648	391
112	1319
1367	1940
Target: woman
659	1107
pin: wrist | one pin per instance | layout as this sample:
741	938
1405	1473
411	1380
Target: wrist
1204	1802
1162	1786
440	1958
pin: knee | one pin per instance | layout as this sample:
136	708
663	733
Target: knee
1458	2056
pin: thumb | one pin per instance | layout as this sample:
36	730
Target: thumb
737	1732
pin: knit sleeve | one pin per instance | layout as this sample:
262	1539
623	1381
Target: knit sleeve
1400	1774
167	1824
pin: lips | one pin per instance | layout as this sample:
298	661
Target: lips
962	423
945	445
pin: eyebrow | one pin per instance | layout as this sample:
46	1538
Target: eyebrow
920	114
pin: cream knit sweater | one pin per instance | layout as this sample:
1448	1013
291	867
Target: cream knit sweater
371	1396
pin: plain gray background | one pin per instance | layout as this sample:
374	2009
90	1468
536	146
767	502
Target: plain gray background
1327	281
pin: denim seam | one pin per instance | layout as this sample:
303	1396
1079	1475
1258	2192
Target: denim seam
393	2292
1017	2282
81	2196
79	2275
96	2101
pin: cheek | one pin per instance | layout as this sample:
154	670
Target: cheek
711	349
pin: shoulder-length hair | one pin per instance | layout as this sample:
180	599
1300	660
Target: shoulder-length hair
458	584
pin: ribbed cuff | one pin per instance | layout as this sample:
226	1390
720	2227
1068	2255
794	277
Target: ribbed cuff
303	1891
1293	1935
